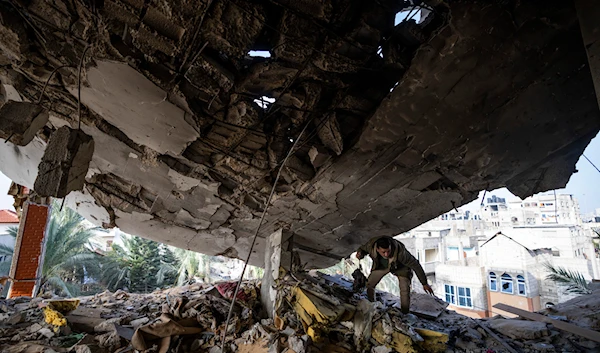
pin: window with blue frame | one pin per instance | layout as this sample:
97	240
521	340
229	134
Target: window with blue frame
450	294
459	296
464	297
521	285
506	283
493	282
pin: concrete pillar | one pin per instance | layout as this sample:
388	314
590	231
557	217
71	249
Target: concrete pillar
588	12
27	261
278	256
442	251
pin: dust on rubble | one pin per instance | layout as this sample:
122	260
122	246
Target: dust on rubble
317	313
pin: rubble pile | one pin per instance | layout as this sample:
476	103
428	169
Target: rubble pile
315	313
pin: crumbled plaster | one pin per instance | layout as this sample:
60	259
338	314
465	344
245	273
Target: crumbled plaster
184	155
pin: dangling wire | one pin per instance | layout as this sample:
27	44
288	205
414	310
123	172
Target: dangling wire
79	87
593	165
262	217
48	81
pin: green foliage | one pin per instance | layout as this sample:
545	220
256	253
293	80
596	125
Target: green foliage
68	260
140	265
7	251
574	281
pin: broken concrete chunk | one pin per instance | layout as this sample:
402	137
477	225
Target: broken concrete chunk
519	329
20	121
16	318
65	163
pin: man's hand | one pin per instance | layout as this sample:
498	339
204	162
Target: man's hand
359	255
427	289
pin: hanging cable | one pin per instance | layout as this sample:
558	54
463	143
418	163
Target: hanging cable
48	81
593	165
262	217
79	87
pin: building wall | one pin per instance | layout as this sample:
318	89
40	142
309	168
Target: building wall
463	276
518	301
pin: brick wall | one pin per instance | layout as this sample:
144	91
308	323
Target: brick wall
28	250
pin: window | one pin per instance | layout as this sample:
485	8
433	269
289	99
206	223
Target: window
464	297
507	284
493	282
463	294
450	295
521	285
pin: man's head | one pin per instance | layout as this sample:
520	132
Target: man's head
384	247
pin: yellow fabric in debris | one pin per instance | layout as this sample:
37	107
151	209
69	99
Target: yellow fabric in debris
399	342
434	342
319	310
53	317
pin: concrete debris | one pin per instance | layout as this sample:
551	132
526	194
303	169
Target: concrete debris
65	163
519	329
191	319
21	121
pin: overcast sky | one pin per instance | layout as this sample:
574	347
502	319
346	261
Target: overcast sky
584	185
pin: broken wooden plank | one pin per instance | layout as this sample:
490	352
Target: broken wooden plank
580	331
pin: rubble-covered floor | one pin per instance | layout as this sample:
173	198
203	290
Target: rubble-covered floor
404	122
318	314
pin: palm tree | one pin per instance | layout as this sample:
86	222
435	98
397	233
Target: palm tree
191	264
574	280
68	260
6	250
116	271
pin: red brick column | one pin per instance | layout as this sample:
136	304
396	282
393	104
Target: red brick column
29	248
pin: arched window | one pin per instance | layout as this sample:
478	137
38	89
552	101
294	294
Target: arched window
493	282
506	284
521	285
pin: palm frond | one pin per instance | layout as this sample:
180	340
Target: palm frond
165	271
5	267
6	250
574	280
12	231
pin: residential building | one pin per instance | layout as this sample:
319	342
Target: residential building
506	271
498	254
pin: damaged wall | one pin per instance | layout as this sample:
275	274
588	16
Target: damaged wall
188	139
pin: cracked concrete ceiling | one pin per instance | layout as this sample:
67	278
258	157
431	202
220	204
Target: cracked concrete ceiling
404	122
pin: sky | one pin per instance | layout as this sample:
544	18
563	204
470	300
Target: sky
584	185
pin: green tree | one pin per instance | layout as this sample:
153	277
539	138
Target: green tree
139	265
68	260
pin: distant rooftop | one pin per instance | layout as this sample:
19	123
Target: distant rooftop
8	216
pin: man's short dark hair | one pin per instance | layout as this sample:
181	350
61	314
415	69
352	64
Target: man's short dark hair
384	243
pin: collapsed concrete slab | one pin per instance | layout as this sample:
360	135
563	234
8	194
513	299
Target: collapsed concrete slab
404	121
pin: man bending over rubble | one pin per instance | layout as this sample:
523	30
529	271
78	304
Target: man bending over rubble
390	255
